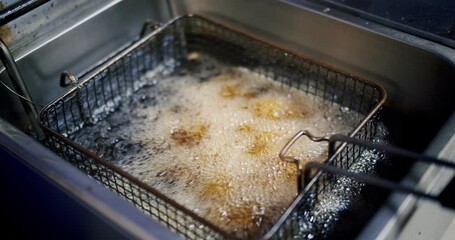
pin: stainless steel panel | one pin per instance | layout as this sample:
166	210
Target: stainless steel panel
71	35
415	73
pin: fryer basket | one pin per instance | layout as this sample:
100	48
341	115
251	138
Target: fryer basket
101	89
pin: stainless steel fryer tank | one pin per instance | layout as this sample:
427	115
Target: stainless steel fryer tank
417	73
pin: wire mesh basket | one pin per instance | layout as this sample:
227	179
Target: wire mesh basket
102	88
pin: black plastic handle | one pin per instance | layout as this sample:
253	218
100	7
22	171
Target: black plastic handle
445	198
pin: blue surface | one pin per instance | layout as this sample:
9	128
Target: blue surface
32	207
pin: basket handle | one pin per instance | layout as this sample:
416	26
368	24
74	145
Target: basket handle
445	197
299	164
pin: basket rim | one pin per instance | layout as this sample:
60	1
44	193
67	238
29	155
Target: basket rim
87	76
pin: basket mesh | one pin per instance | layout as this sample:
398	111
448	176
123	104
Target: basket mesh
105	86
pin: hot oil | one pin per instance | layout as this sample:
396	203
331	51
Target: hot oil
209	137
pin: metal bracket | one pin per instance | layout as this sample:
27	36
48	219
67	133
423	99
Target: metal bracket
149	24
21	88
66	79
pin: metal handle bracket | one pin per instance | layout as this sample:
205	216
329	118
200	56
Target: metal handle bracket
148	25
20	86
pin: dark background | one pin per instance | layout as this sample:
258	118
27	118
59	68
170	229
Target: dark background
430	19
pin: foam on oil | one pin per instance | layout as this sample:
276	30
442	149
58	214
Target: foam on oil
211	143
